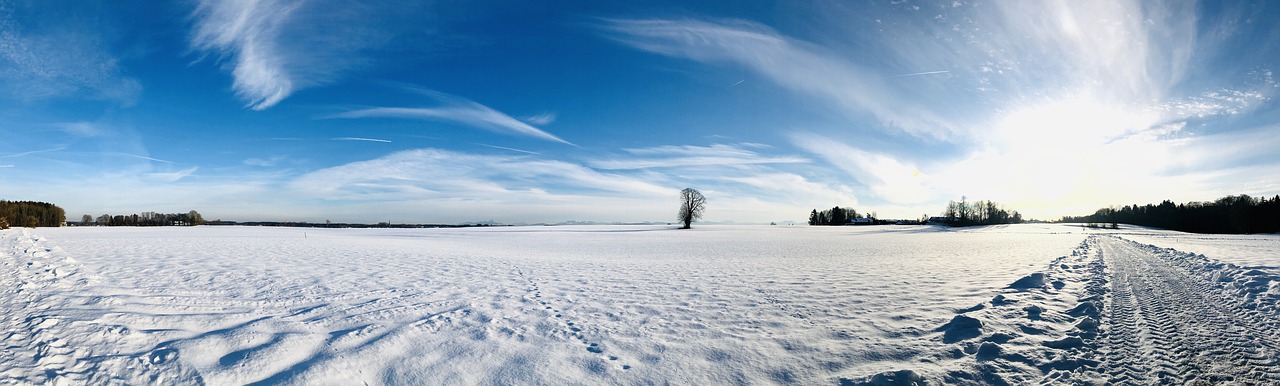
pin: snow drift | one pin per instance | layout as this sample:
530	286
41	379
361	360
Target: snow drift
620	304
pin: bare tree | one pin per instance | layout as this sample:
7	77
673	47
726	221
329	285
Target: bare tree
692	204
86	220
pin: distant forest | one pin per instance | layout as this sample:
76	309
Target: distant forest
966	213
145	219
833	216
957	214
31	214
328	224
1230	214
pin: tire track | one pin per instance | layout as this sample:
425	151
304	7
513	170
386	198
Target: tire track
1165	324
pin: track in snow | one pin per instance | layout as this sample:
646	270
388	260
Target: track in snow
1164	323
1114	312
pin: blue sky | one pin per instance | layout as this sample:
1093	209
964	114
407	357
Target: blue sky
446	112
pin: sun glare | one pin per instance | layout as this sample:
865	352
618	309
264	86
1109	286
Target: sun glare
1064	152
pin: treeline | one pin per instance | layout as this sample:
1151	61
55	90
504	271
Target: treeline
328	224
1230	214
965	213
31	214
838	216
144	219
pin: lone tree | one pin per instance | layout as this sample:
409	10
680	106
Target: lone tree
692	204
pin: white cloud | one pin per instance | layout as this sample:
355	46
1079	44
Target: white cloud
456	109
970	65
59	59
455	186
264	162
433	180
716	150
509	149
141	157
1220	102
791	63
692	156
452	174
171	176
795	191
361	139
248	33
541	119
81	129
276	47
1123	49
33	152
1073	105
245	196
887	178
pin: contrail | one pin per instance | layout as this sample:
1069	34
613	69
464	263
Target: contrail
139	157
921	73
27	153
509	148
360	139
739	82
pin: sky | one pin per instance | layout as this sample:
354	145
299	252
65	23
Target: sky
550	111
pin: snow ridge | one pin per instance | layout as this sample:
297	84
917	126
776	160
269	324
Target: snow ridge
1115	312
631	306
1039	329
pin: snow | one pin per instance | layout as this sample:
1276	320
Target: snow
1253	250
598	304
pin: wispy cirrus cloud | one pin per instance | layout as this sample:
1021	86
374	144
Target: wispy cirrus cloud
978	62
458	186
791	63
33	152
450	174
67	58
136	156
692	156
361	139
509	149
81	129
247	33
171	176
886	177
1052	106
274	48
541	119
459	110
264	162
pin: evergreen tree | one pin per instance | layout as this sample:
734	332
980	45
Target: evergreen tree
33	214
1230	214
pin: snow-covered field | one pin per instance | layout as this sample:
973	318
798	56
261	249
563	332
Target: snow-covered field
637	305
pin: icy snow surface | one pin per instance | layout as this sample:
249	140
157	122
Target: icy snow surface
631	305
